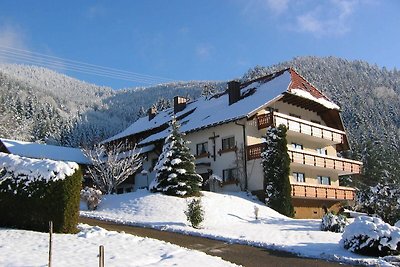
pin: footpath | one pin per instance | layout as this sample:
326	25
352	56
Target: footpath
239	254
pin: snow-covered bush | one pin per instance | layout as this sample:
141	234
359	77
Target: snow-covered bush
195	212
34	192
333	223
371	236
91	196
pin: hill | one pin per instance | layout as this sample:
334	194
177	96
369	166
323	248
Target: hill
38	104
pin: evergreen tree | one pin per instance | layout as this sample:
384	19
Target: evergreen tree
175	169
275	160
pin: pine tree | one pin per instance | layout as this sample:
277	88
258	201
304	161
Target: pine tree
175	169
275	160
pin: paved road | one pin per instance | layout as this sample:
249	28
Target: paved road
240	254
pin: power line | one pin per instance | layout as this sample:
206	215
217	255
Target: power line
25	56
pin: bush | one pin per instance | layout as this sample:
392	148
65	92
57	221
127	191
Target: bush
333	223
371	236
35	192
91	196
195	213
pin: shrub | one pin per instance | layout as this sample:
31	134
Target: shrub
195	213
91	196
34	192
371	236
333	223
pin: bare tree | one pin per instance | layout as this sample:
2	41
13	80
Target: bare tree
112	165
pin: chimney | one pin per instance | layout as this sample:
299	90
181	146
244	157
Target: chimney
152	113
233	92
179	103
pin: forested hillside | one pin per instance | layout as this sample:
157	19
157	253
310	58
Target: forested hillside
37	104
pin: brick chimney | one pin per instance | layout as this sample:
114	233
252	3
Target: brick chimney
152	113
233	92
179	103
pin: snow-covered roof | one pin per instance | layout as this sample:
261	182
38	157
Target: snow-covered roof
203	113
42	151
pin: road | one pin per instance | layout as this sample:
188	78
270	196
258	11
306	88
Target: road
239	254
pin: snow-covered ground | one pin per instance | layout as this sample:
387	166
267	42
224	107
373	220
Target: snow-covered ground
28	248
229	217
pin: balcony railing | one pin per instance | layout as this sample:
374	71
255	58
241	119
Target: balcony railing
322	192
306	158
301	126
323	161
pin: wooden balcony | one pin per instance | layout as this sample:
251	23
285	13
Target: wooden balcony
322	192
300	126
344	166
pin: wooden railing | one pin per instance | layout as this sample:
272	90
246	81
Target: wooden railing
306	158
323	161
322	192
301	126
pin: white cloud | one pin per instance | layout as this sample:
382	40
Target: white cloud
332	18
253	7
10	37
277	6
95	11
204	51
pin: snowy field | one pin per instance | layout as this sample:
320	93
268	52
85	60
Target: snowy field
229	217
28	248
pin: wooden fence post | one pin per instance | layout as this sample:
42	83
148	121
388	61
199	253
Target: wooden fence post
50	240
101	256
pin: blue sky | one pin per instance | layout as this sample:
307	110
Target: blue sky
200	40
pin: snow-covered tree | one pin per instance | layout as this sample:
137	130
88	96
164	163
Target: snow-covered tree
275	160
175	169
382	199
208	90
111	165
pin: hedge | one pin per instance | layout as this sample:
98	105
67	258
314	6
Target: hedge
32	205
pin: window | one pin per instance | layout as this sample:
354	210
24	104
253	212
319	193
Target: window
228	143
202	148
230	175
295	115
297	146
322	151
299	177
326	180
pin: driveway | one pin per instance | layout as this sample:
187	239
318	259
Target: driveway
240	254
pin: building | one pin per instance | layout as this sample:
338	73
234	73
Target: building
226	136
42	151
